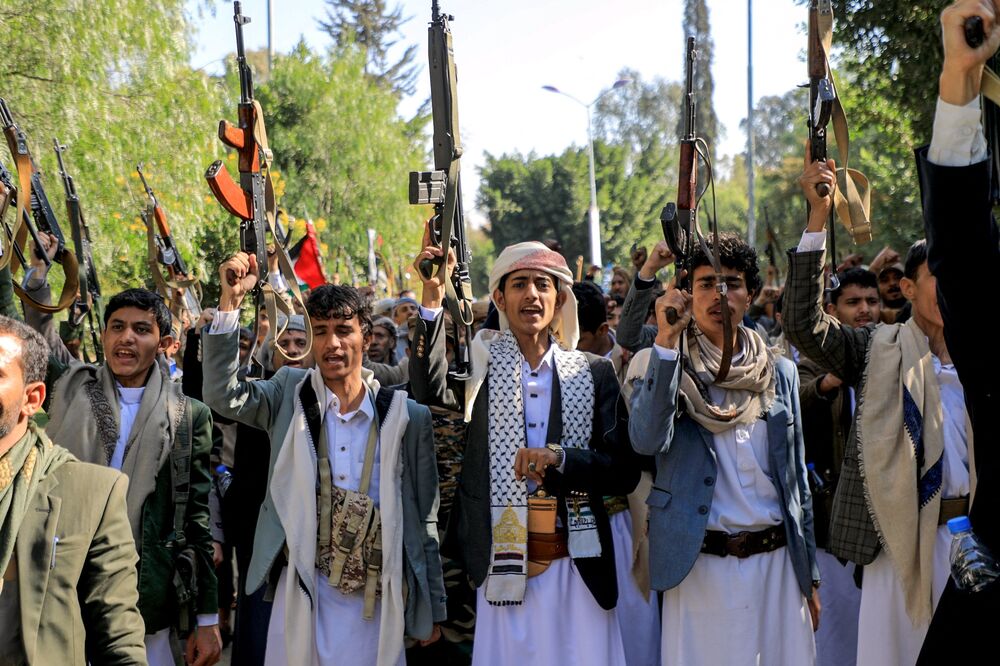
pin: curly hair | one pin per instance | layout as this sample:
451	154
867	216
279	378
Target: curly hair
145	300
337	301
34	352
735	253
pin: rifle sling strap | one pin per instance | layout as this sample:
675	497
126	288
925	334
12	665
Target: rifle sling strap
852	196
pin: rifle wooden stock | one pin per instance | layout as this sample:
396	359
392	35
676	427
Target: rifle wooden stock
687	187
231	135
232	197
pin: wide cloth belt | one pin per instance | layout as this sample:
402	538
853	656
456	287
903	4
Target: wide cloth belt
547	547
744	544
953	508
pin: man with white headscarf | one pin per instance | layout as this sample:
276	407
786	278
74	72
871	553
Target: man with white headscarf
547	436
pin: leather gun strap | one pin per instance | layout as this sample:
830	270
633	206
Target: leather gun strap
852	196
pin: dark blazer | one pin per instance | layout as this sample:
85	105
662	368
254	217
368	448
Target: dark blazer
633	333
686	473
608	467
964	255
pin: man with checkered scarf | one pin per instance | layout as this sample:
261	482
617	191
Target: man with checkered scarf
547	435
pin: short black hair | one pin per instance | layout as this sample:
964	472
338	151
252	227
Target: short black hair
617	298
915	257
338	301
145	300
246	333
591	309
734	253
34	356
861	277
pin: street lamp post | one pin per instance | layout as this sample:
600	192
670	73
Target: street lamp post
593	214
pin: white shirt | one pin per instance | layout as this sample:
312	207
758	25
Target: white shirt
957	138
955	473
745	497
347	439
128	406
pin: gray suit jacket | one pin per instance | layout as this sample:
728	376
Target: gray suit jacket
269	405
843	351
633	333
686	472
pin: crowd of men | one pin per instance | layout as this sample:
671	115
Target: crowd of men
605	485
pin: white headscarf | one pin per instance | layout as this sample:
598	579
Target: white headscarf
535	256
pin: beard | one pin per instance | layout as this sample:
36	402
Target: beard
895	303
7	422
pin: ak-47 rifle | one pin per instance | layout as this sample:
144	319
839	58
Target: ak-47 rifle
975	35
679	221
852	195
89	306
442	188
42	219
163	250
252	199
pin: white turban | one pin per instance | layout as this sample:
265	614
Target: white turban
535	256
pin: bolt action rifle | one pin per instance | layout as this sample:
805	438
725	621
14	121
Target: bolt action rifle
29	194
163	250
679	221
89	306
442	188
252	200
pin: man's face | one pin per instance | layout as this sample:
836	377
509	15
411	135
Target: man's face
889	289
263	325
614	315
619	285
402	313
246	344
293	343
707	307
338	347
922	292
858	305
530	301
383	344
18	400
591	341
131	342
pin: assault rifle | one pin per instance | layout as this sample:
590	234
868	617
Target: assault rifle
30	194
8	195
442	188
252	199
89	305
679	221
163	250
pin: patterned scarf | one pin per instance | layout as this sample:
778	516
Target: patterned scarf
749	386
507	578
24	465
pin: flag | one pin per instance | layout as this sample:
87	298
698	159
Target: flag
306	259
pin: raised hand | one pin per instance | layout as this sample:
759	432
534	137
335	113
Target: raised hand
238	276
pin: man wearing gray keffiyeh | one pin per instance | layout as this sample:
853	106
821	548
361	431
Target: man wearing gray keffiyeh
547	436
730	478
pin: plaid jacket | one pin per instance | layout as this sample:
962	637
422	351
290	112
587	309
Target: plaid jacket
843	351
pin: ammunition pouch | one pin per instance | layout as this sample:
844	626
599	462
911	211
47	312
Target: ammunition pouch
352	559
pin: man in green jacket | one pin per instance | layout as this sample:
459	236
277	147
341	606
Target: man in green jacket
65	543
126	414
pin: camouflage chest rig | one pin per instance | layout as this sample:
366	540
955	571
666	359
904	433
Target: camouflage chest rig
349	539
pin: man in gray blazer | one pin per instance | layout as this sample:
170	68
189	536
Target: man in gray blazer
323	424
730	527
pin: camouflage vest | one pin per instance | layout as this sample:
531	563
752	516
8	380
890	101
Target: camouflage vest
349	547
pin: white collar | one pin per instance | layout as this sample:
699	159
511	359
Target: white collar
365	408
546	358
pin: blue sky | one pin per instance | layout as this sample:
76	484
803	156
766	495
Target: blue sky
506	51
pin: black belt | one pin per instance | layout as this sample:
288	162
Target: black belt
744	544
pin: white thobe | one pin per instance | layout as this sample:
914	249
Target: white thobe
343	636
559	621
885	633
739	611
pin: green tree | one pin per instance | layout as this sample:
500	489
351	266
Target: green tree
353	180
372	26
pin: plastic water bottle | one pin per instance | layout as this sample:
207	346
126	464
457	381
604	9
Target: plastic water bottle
972	565
223	477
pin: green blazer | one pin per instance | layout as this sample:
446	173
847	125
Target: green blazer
78	594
